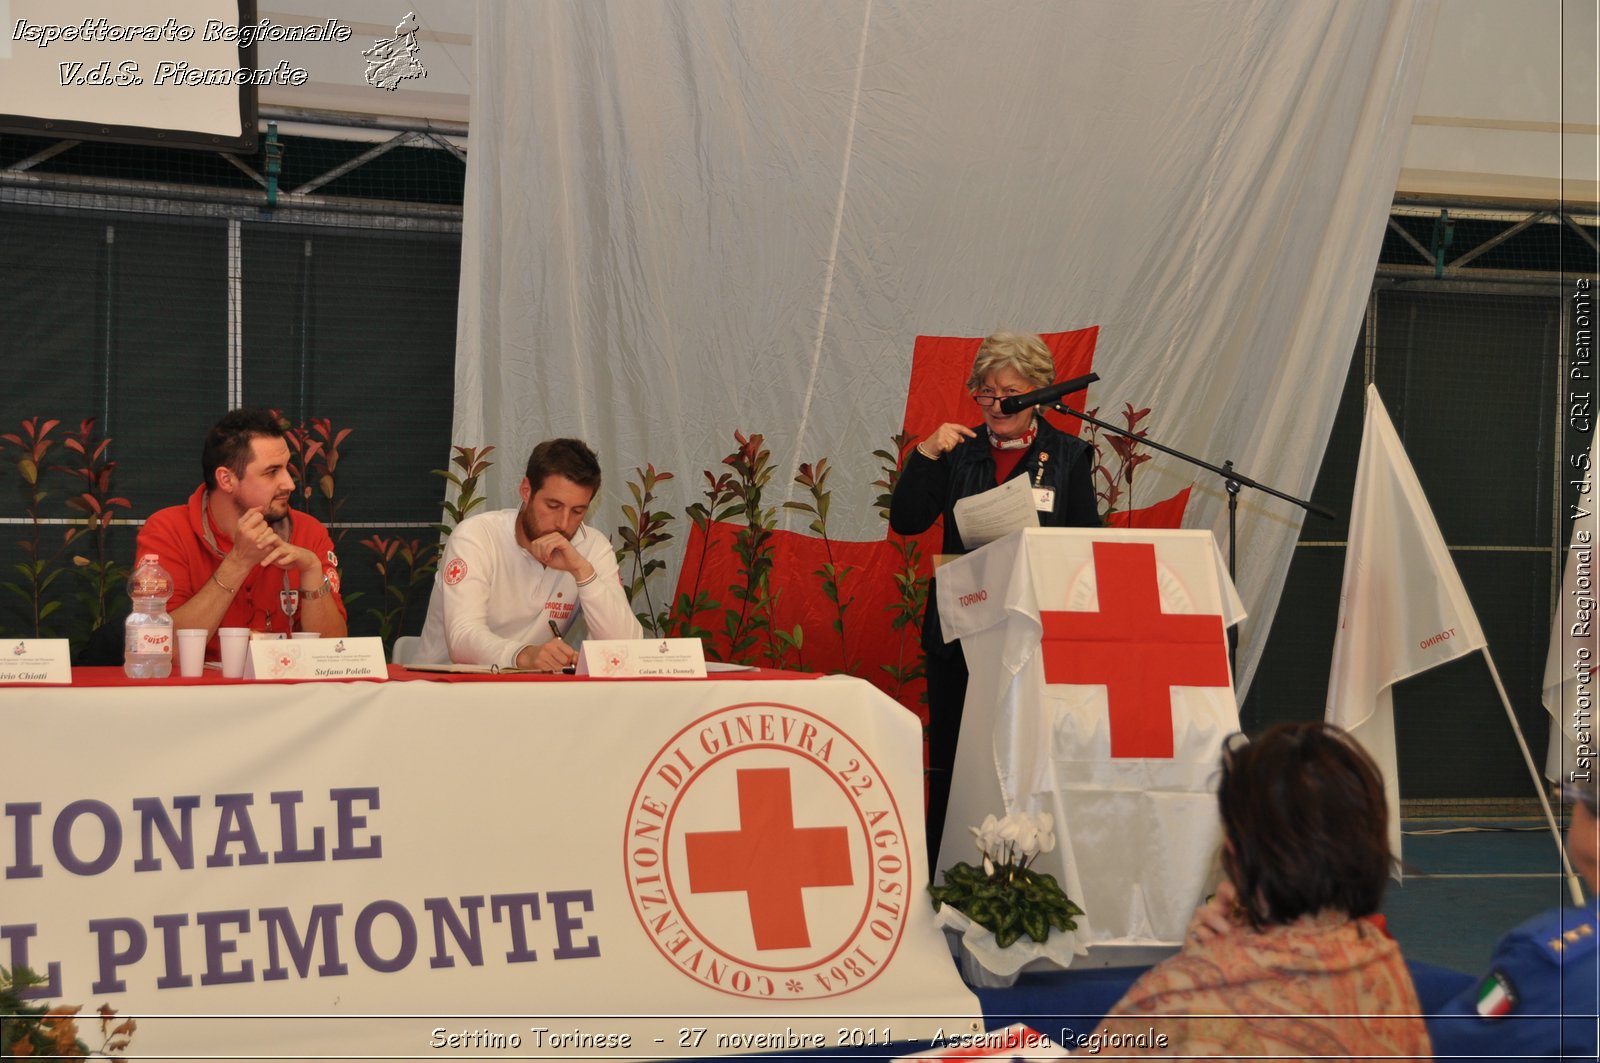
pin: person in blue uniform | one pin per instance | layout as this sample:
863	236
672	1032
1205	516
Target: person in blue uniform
956	462
1539	997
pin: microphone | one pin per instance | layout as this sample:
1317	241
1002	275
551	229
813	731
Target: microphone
1013	403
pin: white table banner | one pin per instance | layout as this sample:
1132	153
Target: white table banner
443	866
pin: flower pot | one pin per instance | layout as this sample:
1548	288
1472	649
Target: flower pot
984	966
976	975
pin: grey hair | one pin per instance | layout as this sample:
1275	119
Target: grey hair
1023	352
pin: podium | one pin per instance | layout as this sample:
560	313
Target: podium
1100	692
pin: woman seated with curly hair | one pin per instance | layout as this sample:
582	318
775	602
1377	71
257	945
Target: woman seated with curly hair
1283	962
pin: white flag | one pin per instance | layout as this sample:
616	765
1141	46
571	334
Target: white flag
1402	608
1569	664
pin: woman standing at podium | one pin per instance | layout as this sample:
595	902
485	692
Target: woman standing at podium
955	462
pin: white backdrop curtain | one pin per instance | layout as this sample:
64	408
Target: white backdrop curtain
685	217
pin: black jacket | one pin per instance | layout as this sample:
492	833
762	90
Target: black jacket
928	489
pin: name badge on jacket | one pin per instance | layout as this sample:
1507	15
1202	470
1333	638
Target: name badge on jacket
1044	498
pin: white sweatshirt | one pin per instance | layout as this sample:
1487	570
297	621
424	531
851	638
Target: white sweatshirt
491	598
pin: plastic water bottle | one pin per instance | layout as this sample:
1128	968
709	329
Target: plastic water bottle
148	636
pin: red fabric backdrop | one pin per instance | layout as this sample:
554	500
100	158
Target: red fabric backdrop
937	394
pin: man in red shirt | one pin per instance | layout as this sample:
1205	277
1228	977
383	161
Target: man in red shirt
236	545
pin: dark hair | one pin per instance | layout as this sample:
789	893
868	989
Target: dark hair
571	458
228	442
1303	807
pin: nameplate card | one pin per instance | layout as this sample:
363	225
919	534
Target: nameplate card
342	658
630	658
250	658
35	661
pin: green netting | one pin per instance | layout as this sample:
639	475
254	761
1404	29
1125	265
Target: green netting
1471	360
1466	243
418	172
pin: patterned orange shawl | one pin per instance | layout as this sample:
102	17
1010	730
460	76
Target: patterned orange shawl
1326	985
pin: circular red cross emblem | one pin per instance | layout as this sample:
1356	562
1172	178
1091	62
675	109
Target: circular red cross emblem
455	571
766	856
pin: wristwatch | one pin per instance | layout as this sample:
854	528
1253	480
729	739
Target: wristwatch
325	589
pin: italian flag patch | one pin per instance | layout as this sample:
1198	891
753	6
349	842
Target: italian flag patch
1496	997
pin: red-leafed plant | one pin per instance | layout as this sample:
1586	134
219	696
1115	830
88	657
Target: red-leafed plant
905	612
718	506
32	444
106	577
752	545
1109	486
644	531
313	462
39	1030
814	478
473	463
405	567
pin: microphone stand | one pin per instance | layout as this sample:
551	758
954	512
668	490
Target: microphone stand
1232	481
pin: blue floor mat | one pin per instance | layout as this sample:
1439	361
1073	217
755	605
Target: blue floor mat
1464	890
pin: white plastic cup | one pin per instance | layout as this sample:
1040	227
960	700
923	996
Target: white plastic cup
192	651
235	644
305	635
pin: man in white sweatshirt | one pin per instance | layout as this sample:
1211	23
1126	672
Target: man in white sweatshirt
511	579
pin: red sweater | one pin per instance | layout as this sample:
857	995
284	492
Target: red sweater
177	535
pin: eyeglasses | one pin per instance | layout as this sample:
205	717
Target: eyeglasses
987	398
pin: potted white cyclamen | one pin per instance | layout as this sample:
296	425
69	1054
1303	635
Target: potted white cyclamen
1008	915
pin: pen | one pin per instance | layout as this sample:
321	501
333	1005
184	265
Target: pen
570	669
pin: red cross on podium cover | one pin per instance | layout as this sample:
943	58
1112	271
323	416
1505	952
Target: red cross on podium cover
769	859
1133	649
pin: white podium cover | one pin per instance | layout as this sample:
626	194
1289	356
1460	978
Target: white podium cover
1100	692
